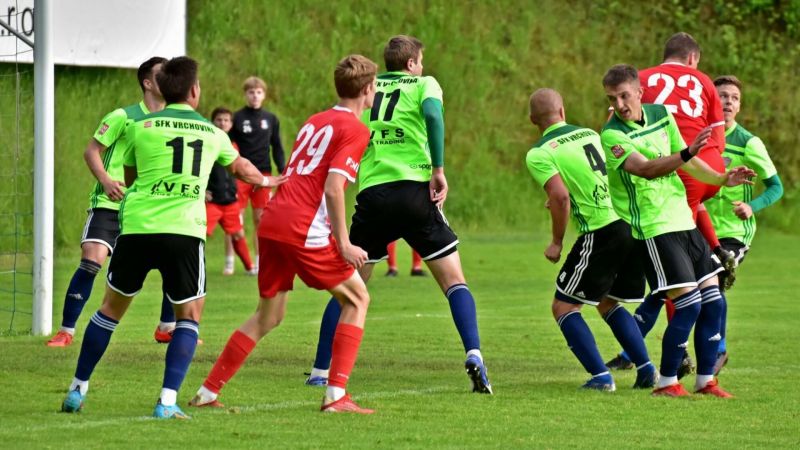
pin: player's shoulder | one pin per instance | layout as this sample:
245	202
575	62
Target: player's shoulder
614	125
740	136
655	112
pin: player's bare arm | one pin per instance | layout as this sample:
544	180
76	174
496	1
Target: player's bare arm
558	203
640	166
92	156
334	199
438	186
130	175
703	172
244	170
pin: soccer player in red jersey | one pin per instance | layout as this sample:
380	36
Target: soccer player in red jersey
691	97
296	233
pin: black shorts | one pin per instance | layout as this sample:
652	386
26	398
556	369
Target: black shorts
604	262
401	209
102	226
180	259
736	246
678	259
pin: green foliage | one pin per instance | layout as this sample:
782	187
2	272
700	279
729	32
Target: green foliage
488	56
410	369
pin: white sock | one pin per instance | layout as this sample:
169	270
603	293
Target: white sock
206	396
83	385
334	393
666	381
166	326
475	352
702	380
229	261
168	396
71	331
319	373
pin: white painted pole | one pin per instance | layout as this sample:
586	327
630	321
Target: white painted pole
43	174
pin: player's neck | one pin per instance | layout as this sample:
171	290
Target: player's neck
153	103
353	104
730	124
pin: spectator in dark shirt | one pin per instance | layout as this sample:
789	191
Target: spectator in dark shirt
255	131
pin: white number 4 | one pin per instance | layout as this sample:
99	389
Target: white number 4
695	93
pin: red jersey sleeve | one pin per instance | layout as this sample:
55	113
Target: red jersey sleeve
350	146
715	117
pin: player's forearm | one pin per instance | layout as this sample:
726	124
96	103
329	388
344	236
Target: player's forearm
334	200
655	168
772	194
130	175
244	170
95	162
559	217
434	125
698	169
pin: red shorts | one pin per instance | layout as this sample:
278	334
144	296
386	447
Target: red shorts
319	268
697	192
228	216
257	196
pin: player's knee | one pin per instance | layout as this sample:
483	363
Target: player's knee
238	235
605	305
560	308
94	252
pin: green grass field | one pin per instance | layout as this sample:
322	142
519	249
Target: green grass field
410	369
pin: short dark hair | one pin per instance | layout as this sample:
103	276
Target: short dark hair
727	79
399	50
146	69
619	74
219	110
176	78
680	45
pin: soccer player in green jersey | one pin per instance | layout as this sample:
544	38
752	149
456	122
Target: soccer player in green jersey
402	188
643	148
603	268
733	209
167	160
100	233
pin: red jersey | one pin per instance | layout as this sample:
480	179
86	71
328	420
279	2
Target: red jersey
330	141
691	97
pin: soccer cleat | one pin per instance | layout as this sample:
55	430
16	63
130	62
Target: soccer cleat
61	339
722	359
477	373
646	380
198	402
600	383
673	390
73	402
728	260
316	381
687	365
391	273
163	337
228	270
344	405
418	273
169	412
252	272
620	363
712	388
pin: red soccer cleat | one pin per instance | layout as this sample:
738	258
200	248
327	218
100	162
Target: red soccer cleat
61	339
712	388
344	405
164	337
673	390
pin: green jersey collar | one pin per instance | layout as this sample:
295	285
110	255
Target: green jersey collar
632	124
393	75
144	107
180	106
553	127
731	129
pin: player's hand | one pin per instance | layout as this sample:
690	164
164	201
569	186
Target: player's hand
209	197
275	181
739	175
438	187
553	252
353	254
742	210
114	189
700	140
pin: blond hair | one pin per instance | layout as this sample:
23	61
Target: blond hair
253	83
352	73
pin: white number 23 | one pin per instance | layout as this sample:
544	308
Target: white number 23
695	93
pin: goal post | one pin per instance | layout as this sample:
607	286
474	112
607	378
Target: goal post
43	172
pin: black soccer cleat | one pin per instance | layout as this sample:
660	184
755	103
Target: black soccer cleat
728	260
722	359
687	365
620	363
646	380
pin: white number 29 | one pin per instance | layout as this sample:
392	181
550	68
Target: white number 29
695	93
317	145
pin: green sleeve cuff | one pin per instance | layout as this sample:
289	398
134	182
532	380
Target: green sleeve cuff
434	123
772	194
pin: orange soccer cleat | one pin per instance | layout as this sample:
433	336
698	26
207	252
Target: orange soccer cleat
61	339
673	390
712	388
344	405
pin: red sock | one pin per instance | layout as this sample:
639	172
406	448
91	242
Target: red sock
416	260
233	355
240	247
670	309
392	255
345	349
707	228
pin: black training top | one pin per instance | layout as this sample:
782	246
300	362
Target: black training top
221	185
255	131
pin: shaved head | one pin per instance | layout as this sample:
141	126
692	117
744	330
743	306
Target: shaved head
546	107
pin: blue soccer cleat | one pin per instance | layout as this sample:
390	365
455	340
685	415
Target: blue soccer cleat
73	402
169	412
316	381
600	383
477	373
